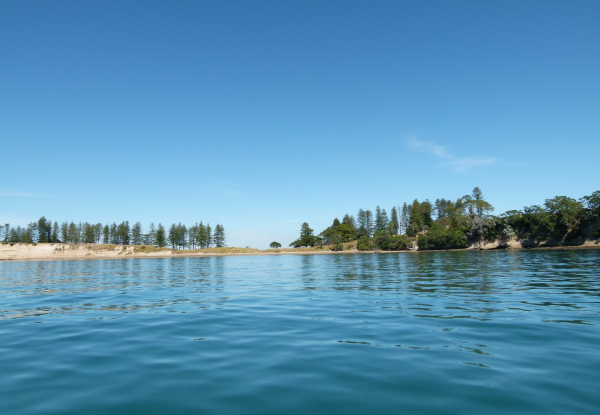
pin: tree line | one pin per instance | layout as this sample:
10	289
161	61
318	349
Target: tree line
178	236
459	223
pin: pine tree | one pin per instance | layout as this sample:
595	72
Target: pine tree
404	218
173	235
161	239
349	220
105	234
379	222
369	223
209	236
202	235
307	237
219	236
151	234
394	223
361	222
55	232
136	234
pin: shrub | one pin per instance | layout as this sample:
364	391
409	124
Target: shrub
394	243
442	238
365	244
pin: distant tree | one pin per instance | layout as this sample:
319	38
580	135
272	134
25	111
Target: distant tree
30	234
151	234
6	231
381	219
44	230
89	236
105	234
112	233
361	223
337	242
369	226
394	227
404	218
349	220
136	234
476	204
123	233
565	214
15	234
219	236
306	237
591	204
161	239
202	236
275	245
72	234
379	225
193	236
419	217
182	233
172	237
55	232
209	236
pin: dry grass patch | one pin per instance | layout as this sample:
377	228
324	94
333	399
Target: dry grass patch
221	250
149	249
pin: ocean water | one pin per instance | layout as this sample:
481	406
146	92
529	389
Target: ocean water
416	333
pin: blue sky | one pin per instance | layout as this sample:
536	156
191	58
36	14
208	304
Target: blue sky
263	115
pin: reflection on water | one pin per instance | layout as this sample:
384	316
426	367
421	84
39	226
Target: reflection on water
430	332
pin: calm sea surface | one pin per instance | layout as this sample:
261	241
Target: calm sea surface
414	333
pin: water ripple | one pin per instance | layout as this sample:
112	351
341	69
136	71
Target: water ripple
432	332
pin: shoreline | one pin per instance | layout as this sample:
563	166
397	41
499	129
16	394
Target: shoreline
66	252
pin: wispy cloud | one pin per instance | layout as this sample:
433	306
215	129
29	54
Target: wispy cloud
458	163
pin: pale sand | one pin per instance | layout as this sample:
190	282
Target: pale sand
59	251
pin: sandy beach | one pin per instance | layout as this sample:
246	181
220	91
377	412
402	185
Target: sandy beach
60	251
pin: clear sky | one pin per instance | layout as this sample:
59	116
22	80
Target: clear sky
262	115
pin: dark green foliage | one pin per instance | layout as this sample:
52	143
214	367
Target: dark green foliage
393	242
394	225
381	219
275	245
383	241
209	236
349	220
361	223
44	230
47	231
345	229
439	237
558	218
565	213
219	236
591	205
369	226
404	218
337	242
136	234
161	237
419	218
365	244
306	237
